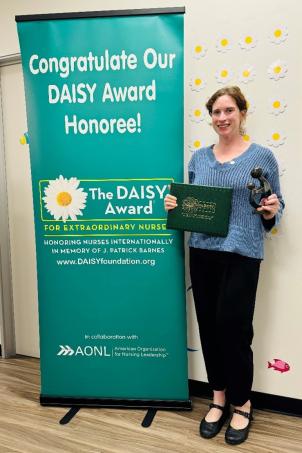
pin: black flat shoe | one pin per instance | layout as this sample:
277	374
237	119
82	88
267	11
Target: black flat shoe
211	429
237	436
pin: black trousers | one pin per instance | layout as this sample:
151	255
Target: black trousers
224	288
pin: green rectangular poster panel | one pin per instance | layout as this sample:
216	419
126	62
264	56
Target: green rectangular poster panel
104	98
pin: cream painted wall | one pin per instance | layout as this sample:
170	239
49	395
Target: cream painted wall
9	8
278	309
20	208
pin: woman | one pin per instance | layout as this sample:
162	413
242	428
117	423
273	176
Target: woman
224	271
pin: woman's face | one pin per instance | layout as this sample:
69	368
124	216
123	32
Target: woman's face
226	116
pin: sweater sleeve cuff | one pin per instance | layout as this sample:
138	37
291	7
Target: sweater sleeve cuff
268	224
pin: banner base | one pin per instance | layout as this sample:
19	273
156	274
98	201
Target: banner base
118	403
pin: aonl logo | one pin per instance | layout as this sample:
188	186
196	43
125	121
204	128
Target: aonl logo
84	351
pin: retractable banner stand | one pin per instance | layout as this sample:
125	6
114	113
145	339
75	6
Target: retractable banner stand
104	97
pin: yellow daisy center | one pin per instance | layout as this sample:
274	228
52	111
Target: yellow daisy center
246	138
64	198
248	40
246	73
276	136
197	144
274	231
198	49
198	82
224	73
277	69
197	112
224	42
276	104
278	33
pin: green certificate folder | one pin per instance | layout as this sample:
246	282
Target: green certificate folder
202	209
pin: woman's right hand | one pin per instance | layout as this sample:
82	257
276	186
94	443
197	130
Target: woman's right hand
170	202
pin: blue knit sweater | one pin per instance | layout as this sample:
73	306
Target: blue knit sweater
246	230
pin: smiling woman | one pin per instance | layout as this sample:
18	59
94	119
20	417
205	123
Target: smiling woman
224	271
228	109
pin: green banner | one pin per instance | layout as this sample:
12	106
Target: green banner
104	99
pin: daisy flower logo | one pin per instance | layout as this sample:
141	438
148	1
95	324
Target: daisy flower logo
196	115
223	75
277	106
247	74
199	51
63	199
279	34
194	144
277	70
247	42
276	139
197	83
223	44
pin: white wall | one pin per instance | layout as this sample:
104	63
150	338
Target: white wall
278	310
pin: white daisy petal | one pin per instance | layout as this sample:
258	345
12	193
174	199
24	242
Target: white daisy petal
72	216
74	182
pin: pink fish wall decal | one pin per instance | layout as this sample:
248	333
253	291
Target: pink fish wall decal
279	365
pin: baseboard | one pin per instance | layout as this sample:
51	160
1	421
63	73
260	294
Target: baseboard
265	401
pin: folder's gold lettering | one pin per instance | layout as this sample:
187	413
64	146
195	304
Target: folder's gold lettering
194	208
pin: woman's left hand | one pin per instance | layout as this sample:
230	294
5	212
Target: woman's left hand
270	206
